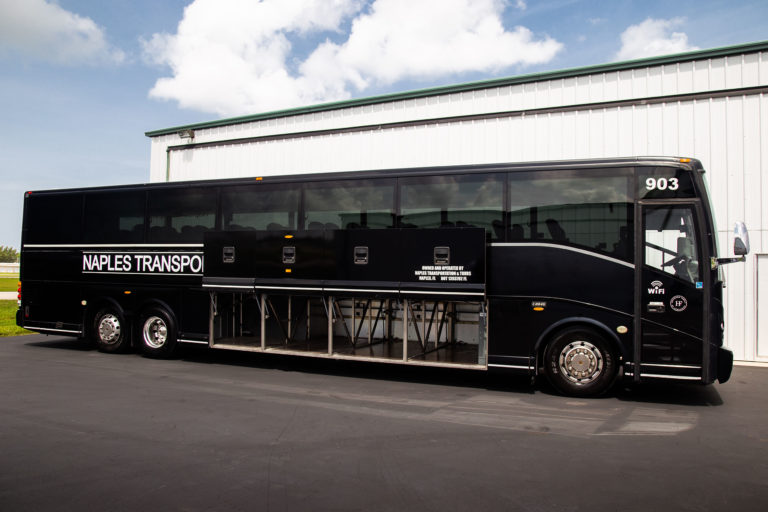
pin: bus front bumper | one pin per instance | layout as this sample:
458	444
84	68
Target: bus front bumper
724	364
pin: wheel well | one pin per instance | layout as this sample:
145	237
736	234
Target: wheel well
569	323
94	306
157	304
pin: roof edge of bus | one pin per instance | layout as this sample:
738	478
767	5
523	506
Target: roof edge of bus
688	163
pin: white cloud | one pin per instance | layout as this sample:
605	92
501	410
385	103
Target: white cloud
235	57
653	37
44	30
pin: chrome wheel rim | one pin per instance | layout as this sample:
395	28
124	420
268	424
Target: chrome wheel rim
581	362
155	332
109	329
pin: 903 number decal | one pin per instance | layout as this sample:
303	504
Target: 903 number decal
662	184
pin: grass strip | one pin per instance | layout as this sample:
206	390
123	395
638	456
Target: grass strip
9	284
8	325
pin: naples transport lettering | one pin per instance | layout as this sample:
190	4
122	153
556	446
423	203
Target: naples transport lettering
143	263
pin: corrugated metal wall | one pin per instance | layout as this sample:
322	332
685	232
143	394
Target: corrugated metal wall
713	109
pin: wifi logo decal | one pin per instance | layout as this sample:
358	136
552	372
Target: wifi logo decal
657	288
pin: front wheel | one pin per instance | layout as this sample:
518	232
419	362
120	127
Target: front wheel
158	333
580	362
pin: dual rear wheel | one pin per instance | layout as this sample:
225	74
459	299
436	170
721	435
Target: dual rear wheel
155	327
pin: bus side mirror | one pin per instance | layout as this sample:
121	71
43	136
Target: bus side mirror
741	240
740	245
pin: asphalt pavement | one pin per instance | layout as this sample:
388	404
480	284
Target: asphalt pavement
215	430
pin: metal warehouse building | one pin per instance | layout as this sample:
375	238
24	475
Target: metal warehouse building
711	105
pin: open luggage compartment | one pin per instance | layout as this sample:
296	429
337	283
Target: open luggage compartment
383	295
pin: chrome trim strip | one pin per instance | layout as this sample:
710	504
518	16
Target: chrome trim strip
238	286
564	248
299	288
46	329
199	342
89	246
362	290
320	289
516	367
675	377
655	365
425	292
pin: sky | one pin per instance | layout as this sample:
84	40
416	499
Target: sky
81	81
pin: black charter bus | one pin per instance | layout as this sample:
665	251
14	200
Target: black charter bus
584	271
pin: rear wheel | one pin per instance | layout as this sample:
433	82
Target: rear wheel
158	333
580	362
110	331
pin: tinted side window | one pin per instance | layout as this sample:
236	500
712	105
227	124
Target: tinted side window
670	241
350	204
473	200
262	206
54	218
114	217
591	209
180	214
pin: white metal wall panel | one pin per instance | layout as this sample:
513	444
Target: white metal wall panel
762	308
735	161
728	134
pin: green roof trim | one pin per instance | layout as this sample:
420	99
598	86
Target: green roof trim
475	86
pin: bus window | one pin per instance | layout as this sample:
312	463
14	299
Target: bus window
180	214
262	206
473	200
670	241
589	210
350	204
53	219
114	217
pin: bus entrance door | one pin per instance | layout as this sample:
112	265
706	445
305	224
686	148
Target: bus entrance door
672	288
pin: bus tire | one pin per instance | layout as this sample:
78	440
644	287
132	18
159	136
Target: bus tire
578	361
157	331
110	330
